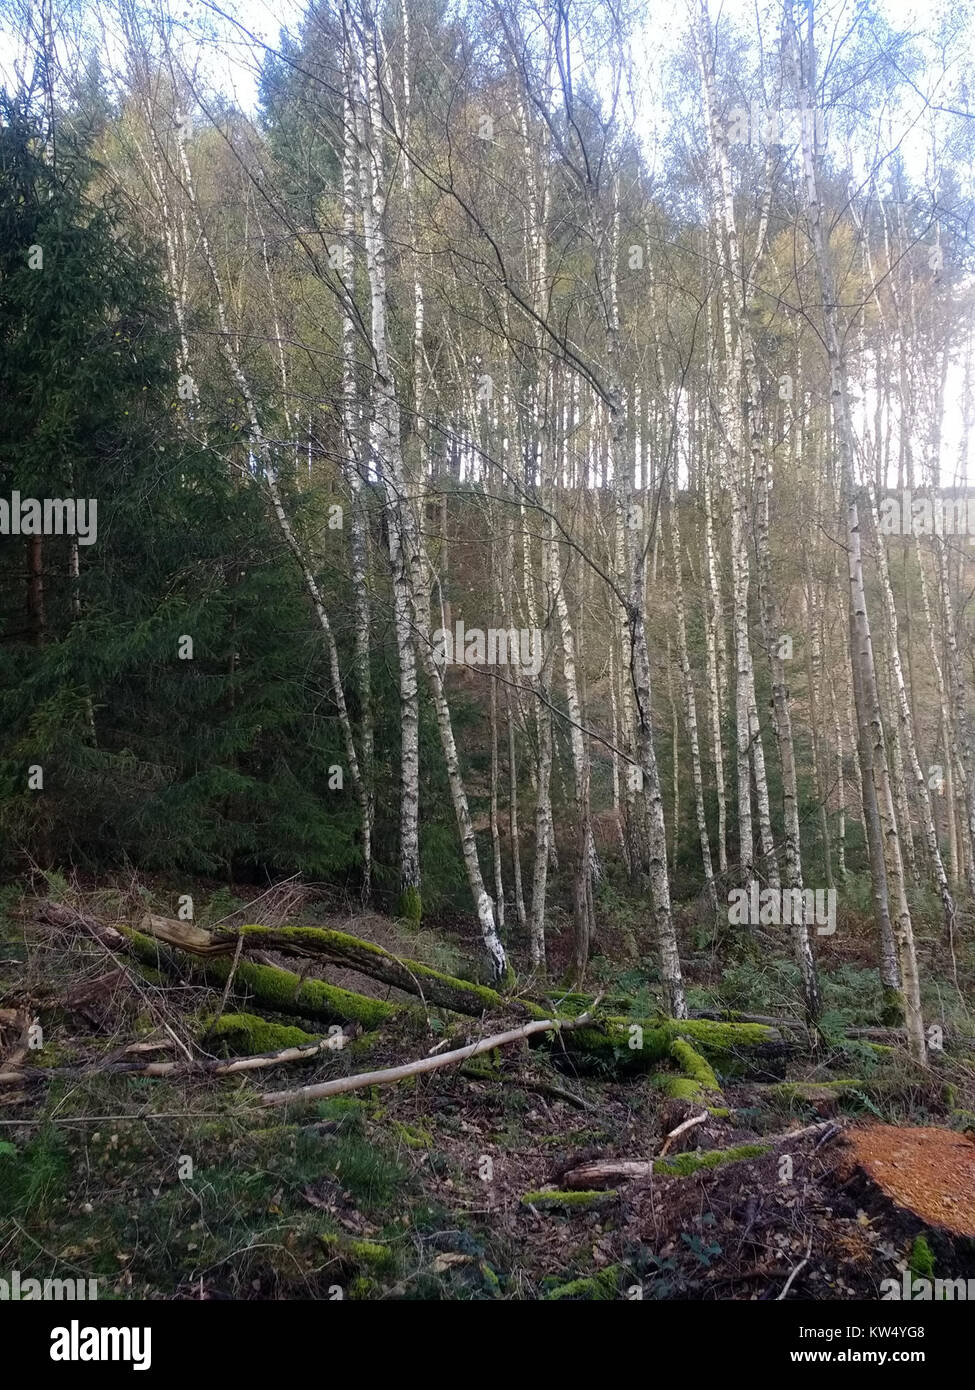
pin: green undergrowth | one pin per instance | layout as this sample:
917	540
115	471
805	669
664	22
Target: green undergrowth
210	1189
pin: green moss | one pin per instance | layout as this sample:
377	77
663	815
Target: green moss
287	993
892	1014
696	1074
567	1199
921	1260
614	1040
677	1087
343	947
683	1165
413	1136
361	1254
596	1288
241	1035
411	905
717	1040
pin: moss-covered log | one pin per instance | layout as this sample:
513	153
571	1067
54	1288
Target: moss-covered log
279	990
694	1080
350	953
240	1035
585	1182
683	1165
572	1201
640	1044
353	953
917	1090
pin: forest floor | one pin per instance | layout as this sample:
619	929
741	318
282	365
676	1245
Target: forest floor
455	1185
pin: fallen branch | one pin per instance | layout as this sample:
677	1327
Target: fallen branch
60	915
687	1124
207	1067
389	1075
594	1175
800	1266
111	941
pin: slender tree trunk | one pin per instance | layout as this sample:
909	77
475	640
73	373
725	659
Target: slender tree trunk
690	702
861	647
909	742
411	569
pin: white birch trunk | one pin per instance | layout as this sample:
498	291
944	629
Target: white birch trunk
865	679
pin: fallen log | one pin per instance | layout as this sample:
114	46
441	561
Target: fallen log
203	1067
389	1075
338	948
625	1044
893	1037
922	1087
733	1016
616	1042
694	1080
593	1176
348	952
274	988
54	914
248	1035
547	1198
